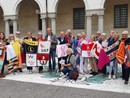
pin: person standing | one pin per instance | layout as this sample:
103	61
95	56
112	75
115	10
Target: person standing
104	44
83	60
127	61
20	40
2	46
61	40
53	39
31	38
40	38
114	63
124	37
92	59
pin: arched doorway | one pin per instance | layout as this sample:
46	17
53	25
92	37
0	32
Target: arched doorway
70	15
29	17
2	25
116	15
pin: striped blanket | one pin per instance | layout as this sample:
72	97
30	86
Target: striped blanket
12	58
2	57
112	50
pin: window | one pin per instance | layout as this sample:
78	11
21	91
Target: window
78	18
121	16
39	22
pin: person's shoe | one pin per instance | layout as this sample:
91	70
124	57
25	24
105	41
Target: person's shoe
95	73
31	71
20	70
126	82
28	72
114	76
41	71
109	77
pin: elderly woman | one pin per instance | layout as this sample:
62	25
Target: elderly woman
2	47
114	63
104	44
83	60
69	63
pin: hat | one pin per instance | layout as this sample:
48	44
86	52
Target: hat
104	34
125	32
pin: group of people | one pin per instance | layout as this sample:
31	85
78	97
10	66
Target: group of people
74	57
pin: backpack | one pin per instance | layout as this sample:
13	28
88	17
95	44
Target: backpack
75	74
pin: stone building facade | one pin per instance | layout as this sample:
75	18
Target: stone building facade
78	15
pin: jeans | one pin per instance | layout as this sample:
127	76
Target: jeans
52	61
113	66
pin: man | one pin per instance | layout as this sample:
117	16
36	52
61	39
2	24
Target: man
53	39
124	37
18	38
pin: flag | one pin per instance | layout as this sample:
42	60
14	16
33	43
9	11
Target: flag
11	58
96	49
2	58
31	53
86	50
43	52
16	46
120	55
112	50
103	59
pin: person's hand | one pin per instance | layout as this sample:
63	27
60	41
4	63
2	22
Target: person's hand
62	67
50	40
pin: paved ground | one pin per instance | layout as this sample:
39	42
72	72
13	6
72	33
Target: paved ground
14	89
35	85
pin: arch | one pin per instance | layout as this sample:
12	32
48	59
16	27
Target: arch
56	2
102	3
18	3
3	9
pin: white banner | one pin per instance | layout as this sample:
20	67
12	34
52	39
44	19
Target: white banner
61	50
31	60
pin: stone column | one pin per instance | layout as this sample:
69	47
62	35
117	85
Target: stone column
53	22
43	17
53	25
100	23
89	26
14	26
6	28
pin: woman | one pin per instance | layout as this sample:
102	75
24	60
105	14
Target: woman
40	38
104	44
2	47
83	60
93	60
31	38
69	64
61	40
114	63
